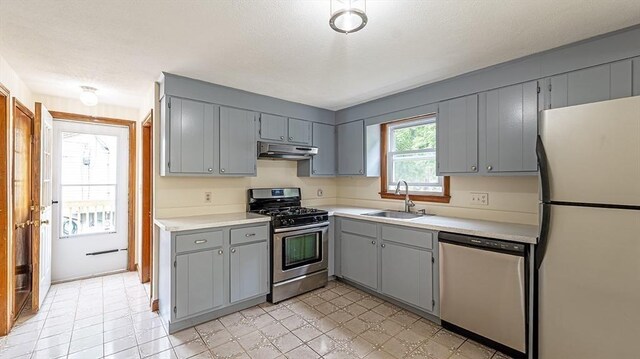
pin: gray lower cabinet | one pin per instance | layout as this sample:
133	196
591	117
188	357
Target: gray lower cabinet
324	163
189	128
204	274
407	274
359	259
249	271
509	127
593	84
458	136
199	282
351	149
237	142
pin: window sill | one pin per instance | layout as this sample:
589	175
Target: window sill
417	197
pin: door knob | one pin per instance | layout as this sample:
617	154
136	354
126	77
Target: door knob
383	245
282	137
473	168
220	252
46	221
210	169
360	171
290	138
489	168
373	242
222	170
233	250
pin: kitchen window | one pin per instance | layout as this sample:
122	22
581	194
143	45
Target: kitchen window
409	154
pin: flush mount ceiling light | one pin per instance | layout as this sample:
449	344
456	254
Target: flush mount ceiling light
348	16
88	96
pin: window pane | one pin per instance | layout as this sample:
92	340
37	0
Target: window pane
88	159
88	209
301	249
418	137
417	168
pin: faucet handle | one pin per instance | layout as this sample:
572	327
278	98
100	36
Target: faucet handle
411	204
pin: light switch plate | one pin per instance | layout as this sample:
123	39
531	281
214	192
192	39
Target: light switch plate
479	198
320	192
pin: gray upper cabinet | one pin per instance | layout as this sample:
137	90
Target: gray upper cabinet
351	148
199	282
237	142
273	128
191	127
299	131
593	84
458	135
636	76
509	125
249	271
407	274
324	163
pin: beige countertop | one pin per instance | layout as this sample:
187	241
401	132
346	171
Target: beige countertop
499	230
176	224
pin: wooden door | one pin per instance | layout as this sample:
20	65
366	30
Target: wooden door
22	204
147	185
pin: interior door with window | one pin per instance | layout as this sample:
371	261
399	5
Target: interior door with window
45	204
90	186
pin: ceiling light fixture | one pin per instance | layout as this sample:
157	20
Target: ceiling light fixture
348	16
88	96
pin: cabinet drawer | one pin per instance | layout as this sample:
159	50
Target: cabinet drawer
361	228
249	234
198	241
422	239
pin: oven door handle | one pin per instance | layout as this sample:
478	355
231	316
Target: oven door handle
297	228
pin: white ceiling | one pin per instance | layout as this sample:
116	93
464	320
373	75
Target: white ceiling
283	48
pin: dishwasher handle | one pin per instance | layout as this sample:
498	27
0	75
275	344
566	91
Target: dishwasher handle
482	243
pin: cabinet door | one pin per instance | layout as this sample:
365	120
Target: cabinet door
237	142
359	259
510	118
407	274
192	138
249	271
458	135
636	76
351	148
598	83
324	137
273	128
299	131
199	282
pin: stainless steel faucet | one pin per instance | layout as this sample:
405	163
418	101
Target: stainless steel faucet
408	203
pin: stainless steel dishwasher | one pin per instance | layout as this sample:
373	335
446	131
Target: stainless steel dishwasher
483	290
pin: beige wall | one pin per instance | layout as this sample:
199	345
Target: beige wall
72	105
511	199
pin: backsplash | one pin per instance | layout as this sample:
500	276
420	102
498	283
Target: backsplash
511	199
185	196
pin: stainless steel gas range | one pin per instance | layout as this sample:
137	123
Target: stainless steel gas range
299	243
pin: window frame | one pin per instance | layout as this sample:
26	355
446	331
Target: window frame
445	197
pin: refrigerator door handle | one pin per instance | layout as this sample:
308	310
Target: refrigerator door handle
543	240
544	170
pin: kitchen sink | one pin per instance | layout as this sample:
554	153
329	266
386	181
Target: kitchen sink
395	214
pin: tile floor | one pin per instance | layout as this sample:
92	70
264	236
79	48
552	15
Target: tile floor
110	317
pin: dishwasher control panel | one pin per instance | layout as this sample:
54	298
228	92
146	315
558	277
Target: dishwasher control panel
496	244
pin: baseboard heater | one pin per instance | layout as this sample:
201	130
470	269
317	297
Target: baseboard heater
105	252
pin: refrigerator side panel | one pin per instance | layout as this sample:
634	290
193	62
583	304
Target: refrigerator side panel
589	284
593	152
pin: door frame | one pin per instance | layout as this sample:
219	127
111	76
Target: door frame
35	196
146	244
131	125
6	282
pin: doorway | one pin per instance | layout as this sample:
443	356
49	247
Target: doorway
24	203
90	191
146	249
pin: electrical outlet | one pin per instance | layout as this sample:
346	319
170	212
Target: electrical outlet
207	197
479	198
320	192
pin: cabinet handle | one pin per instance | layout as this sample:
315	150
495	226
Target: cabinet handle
249	234
210	170
314	171
233	250
290	138
473	168
220	252
200	241
360	171
489	168
373	242
383	245
222	170
282	137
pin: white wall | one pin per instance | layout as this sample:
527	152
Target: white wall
72	105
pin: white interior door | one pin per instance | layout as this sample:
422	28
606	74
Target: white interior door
90	184
45	204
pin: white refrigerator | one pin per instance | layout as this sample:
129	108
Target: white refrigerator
588	255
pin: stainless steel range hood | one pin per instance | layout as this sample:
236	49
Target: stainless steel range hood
279	151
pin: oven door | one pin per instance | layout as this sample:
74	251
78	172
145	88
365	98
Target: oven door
298	251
